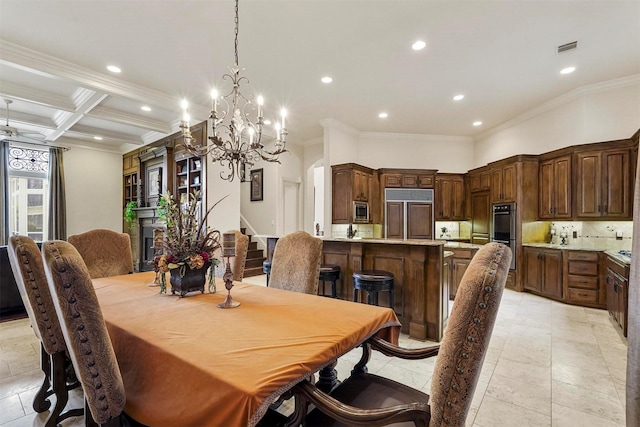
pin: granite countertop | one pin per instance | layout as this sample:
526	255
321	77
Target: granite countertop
447	254
416	242
461	245
618	257
574	247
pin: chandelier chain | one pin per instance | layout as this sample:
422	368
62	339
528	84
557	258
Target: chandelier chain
237	24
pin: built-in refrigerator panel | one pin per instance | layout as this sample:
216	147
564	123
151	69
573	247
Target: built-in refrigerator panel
409	213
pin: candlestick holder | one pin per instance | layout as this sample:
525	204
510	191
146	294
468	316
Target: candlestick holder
228	250
228	284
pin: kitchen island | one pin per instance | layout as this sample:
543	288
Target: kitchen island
421	289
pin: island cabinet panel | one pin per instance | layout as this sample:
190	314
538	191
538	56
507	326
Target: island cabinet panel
418	278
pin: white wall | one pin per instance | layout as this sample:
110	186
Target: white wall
93	184
603	112
313	158
226	215
452	154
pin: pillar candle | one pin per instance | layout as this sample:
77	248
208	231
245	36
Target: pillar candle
228	244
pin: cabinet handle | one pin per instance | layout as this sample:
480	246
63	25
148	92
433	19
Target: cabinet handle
582	295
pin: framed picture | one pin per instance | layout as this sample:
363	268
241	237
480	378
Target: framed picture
256	185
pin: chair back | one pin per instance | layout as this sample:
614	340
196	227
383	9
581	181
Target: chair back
238	262
26	262
296	263
84	329
105	252
466	338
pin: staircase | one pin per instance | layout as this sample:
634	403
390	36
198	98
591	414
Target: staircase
255	257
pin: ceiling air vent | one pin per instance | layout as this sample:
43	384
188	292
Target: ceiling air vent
567	46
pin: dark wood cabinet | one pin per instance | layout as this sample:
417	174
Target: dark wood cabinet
419	220
617	280
555	188
582	279
459	262
130	166
503	183
395	220
408	178
350	183
479	179
543	271
449	197
603	184
480	217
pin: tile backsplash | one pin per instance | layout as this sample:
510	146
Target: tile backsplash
363	230
452	229
595	234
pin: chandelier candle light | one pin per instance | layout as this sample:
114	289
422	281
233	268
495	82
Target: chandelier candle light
236	139
228	250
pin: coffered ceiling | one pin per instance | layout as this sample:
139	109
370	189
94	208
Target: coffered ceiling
502	55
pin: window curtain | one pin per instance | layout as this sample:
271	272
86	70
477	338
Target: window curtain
4	187
633	328
57	202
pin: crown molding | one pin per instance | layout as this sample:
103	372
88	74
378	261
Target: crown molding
415	137
561	100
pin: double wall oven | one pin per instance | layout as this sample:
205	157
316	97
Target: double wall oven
503	229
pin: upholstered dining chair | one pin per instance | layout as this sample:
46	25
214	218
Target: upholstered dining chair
105	252
372	400
26	263
86	334
295	265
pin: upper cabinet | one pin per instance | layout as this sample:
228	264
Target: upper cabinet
479	179
449	197
503	183
351	183
408	178
603	184
555	188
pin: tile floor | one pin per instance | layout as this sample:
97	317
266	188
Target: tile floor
548	364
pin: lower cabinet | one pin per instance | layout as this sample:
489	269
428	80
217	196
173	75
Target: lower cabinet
459	262
581	279
617	279
543	271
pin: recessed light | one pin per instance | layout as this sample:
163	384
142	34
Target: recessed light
477	123
458	97
567	70
383	115
145	108
326	79
267	122
114	69
97	138
419	45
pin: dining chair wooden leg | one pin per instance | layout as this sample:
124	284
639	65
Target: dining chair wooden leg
41	402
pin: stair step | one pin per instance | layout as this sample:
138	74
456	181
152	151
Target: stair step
255	253
253	271
253	246
254	262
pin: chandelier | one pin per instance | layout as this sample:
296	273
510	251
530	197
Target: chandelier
236	139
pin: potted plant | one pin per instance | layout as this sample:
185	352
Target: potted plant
188	247
130	214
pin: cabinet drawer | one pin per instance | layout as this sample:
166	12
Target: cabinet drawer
583	268
425	181
583	282
582	295
463	253
393	181
583	256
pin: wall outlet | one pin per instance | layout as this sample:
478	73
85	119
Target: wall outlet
575	234
618	234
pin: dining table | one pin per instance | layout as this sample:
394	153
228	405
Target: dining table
186	362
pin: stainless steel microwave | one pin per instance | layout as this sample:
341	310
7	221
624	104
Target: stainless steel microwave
360	212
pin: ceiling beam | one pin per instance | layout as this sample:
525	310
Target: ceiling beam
112	115
35	96
86	100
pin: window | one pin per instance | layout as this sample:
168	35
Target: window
28	193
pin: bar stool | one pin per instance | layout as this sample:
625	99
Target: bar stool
329	273
266	268
373	281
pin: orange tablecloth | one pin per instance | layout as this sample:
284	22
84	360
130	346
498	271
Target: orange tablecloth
186	362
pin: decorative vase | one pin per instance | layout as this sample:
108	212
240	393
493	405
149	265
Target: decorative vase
192	280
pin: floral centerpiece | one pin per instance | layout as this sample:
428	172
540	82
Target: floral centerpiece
188	243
